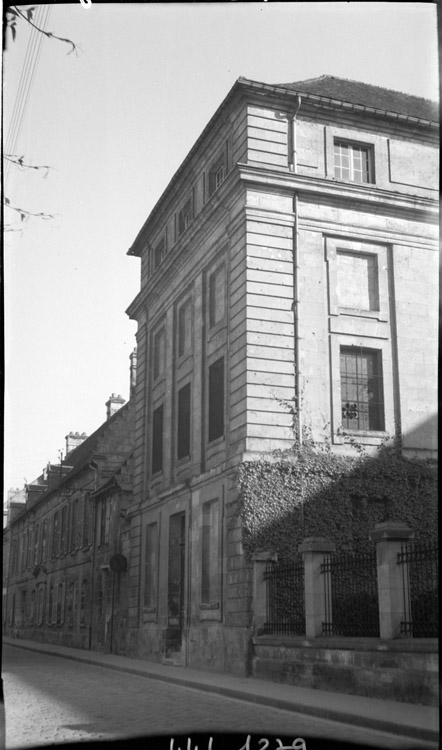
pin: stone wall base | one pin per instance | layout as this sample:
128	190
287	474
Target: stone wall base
214	648
55	636
402	670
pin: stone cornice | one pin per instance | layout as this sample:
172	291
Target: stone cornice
340	192
218	210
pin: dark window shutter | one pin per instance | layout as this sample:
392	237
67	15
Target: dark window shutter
216	400
184	422
157	440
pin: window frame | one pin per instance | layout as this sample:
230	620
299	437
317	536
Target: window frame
182	350
180	426
214	322
214	410
150	611
210	531
157	456
159	252
185	215
379	156
336	244
353	146
217	166
362	381
383	346
158	356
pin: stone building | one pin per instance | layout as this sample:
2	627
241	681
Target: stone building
288	283
63	560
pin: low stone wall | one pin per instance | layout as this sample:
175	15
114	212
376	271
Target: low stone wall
214	648
402	670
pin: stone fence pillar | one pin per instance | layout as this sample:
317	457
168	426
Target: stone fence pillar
393	587
260	589
313	550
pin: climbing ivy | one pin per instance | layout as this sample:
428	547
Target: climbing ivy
310	491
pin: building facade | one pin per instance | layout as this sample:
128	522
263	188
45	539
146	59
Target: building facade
62	552
288	284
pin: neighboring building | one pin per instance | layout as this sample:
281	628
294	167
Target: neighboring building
63	549
16	497
288	282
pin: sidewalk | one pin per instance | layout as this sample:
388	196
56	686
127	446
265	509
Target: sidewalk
403	719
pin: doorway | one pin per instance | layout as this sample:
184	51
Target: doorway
175	588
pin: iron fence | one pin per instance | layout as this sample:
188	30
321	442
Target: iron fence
285	598
351	595
419	563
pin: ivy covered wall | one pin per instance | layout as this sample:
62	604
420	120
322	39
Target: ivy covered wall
310	493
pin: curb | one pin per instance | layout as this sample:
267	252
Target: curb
345	717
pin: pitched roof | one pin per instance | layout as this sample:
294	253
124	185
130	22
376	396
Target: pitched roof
367	95
77	460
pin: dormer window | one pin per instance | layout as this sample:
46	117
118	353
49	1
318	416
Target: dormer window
353	161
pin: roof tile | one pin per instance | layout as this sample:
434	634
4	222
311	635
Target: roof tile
367	95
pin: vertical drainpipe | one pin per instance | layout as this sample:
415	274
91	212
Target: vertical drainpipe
293	165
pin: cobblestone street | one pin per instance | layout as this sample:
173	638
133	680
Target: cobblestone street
51	700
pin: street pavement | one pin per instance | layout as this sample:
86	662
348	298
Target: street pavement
97	697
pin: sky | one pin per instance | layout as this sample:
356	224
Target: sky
114	122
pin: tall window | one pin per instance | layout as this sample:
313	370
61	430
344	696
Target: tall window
29	548
41	605
157	440
56	535
158	354
184	328
44	541
357	280
151	566
71	604
24	550
216	399
74	519
159	252
185	216
353	162
362	400
217	296
60	603
217	175
183	442
64	530
105	518
86	520
37	543
210	553
83	596
53	596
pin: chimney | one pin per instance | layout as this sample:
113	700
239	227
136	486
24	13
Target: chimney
115	402
73	440
133	372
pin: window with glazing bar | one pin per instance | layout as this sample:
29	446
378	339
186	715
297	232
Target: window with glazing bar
353	162
362	401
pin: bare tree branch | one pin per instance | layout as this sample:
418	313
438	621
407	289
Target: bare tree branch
19	161
24	214
15	13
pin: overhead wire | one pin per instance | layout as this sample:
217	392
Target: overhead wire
32	56
27	76
24	85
